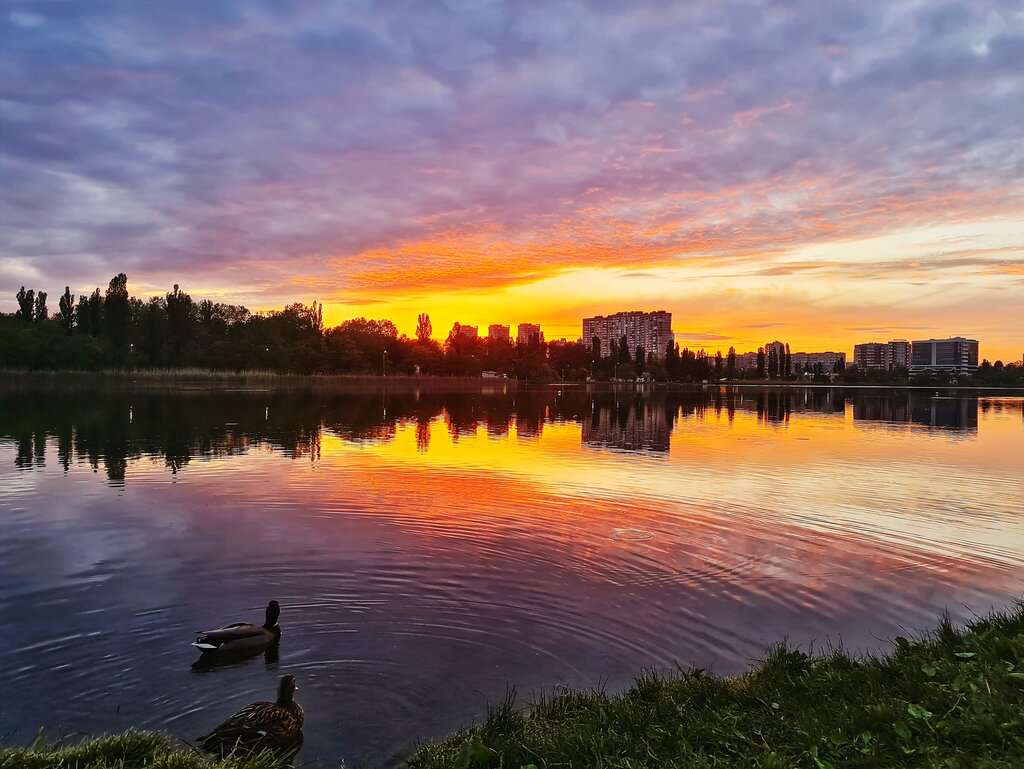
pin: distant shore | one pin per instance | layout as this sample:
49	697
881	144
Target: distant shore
196	378
953	698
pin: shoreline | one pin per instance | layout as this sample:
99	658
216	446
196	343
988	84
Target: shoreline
199	378
950	698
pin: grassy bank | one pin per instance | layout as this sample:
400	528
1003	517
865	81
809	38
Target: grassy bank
129	750
954	700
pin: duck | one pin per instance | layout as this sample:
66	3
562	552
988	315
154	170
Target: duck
242	638
262	726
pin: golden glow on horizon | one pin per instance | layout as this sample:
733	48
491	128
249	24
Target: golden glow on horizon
918	282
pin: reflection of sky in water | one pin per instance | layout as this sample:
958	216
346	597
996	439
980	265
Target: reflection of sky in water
429	557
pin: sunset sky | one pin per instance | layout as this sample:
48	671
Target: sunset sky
822	173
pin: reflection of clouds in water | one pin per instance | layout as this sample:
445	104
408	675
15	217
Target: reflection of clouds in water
439	536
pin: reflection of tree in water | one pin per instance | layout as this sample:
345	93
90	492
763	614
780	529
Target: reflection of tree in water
423	434
114	430
1000	406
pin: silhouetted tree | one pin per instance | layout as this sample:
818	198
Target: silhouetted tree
760	362
155	326
640	358
117	313
40	313
672	360
180	313
595	350
89	314
67	310
718	364
731	363
26	304
788	365
624	351
424	329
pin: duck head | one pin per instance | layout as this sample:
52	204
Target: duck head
273	613
286	690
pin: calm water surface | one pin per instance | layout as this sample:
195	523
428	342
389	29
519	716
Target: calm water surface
431	550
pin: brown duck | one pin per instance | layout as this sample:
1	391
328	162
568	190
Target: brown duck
262	726
242	638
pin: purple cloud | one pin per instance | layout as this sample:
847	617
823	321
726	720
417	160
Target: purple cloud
257	142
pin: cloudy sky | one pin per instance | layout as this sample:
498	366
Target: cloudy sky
819	172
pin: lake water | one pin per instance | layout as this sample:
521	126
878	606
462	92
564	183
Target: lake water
431	550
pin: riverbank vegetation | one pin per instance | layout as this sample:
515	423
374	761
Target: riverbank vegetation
954	700
112	330
128	750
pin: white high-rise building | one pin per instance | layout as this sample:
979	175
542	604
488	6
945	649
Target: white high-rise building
650	330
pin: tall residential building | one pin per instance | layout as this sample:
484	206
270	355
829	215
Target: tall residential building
527	331
955	355
876	356
898	354
498	332
650	330
467	331
870	356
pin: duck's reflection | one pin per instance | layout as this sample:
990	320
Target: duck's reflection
271	657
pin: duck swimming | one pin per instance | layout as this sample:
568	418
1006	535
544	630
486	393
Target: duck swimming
274	726
242	638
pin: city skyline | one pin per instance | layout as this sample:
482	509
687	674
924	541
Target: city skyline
826	181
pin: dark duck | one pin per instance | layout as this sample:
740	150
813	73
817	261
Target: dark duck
262	726
242	638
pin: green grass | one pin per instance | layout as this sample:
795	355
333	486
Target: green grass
128	750
954	700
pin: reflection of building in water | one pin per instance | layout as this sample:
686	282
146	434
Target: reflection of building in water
959	414
949	413
888	408
628	425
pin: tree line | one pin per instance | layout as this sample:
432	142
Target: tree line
112	329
